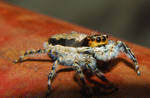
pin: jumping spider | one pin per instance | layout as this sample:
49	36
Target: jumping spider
81	51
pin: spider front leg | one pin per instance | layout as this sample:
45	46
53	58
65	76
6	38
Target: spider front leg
30	52
124	48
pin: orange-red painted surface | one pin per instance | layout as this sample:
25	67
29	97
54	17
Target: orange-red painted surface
21	30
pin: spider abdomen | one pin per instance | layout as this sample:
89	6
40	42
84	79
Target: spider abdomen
74	39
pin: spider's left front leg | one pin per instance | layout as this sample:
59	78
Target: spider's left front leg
124	48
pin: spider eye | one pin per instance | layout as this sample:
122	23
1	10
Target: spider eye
103	38
98	39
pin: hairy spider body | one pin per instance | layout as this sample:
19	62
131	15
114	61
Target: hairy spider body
74	39
93	48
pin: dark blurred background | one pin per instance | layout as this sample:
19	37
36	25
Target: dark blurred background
127	19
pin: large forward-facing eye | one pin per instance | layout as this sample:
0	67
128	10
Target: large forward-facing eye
98	39
103	38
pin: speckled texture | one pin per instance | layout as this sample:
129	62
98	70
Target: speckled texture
21	30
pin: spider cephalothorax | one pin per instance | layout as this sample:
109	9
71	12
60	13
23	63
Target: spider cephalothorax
81	53
76	39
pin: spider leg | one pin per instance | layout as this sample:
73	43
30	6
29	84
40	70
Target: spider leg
124	48
101	76
30	52
79	71
98	73
52	74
